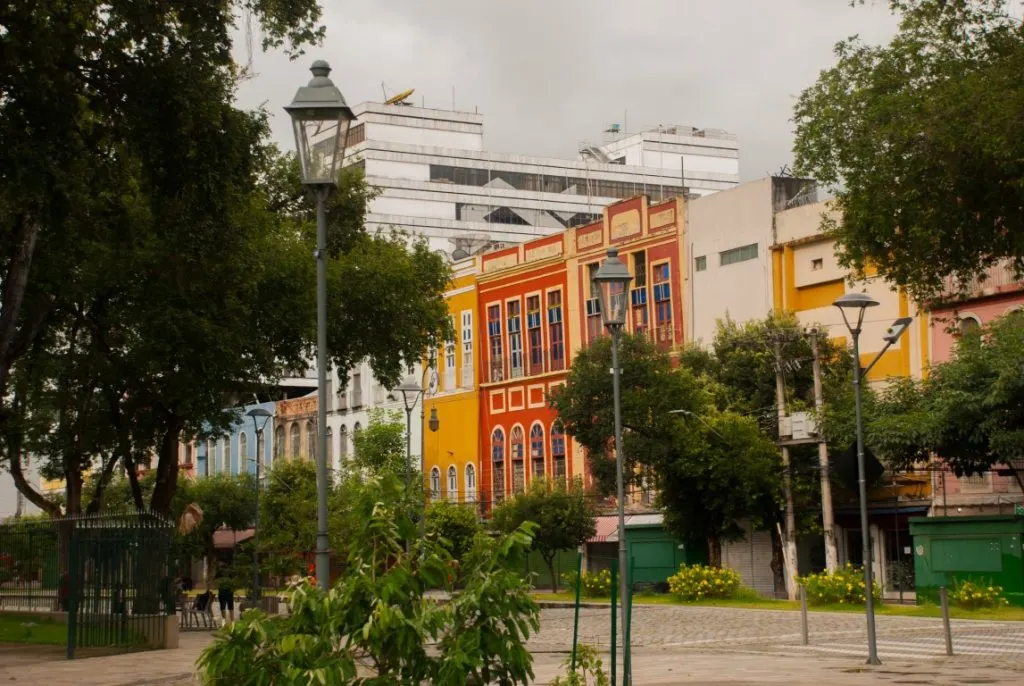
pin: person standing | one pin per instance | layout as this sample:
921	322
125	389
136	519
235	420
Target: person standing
225	595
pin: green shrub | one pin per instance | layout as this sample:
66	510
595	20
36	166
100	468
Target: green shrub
845	586
974	595
698	582
595	584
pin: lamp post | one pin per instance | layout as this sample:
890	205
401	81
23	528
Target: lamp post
434	424
257	413
411	394
859	303
320	119
613	280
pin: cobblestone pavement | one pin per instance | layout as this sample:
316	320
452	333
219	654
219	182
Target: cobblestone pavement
672	644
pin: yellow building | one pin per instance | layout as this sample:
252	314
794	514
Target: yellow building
451	456
807	279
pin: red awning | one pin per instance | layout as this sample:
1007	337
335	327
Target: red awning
607	530
224	539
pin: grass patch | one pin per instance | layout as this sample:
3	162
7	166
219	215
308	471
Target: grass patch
1005	614
32	629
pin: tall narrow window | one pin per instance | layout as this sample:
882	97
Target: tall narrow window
435	483
518	469
330	448
449	360
556	336
494	334
343	443
311	442
211	458
278	442
663	304
296	440
558	452
357	389
243	454
593	304
453	484
638	294
188	454
533	332
515	339
470	483
537	451
498	465
225	456
467	349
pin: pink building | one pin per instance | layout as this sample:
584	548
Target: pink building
994	297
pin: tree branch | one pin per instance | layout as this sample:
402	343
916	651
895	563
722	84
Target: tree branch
15	283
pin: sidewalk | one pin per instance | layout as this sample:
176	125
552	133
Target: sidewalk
651	667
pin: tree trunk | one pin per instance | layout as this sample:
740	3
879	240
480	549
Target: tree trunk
15	283
31	494
101	486
549	560
124	448
167	468
73	487
714	551
133	481
778	561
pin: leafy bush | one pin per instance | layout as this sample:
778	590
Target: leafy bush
845	586
974	595
377	616
454	525
697	582
589	669
595	584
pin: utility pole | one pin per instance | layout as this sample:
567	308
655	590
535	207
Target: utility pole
789	541
827	522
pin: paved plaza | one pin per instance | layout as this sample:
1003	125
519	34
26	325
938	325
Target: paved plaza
673	644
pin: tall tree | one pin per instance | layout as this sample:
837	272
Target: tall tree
563	513
922	143
707	477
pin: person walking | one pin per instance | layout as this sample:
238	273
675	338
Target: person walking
225	595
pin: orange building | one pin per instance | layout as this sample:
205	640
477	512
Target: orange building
538	305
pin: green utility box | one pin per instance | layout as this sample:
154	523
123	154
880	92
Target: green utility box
656	555
986	549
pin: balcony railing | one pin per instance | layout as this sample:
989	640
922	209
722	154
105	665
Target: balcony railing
999	278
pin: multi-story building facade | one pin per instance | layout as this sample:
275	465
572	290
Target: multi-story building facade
233	453
452	455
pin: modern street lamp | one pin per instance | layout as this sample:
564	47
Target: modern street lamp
257	413
411	394
613	281
858	303
321	119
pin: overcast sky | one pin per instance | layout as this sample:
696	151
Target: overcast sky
550	74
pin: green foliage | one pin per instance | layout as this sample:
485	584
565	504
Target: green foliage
564	515
976	595
845	586
380	446
699	582
594	584
589	669
454	526
921	142
377	615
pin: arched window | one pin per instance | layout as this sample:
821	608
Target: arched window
357	429
537	451
968	324
343	443
243	454
293	434
518	469
225	456
279	442
558	451
330	448
435	483
498	469
311	442
453	484
470	483
188	454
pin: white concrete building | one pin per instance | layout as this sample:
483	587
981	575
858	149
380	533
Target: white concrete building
437	180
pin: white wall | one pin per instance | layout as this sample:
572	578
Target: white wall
412	207
397	170
412	135
695	164
742	290
9	494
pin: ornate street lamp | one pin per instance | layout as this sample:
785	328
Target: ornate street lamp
613	281
321	119
256	414
857	304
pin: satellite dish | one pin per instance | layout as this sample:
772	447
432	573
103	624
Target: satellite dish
400	98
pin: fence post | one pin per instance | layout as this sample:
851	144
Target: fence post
944	600
615	586
803	615
576	617
72	595
627	653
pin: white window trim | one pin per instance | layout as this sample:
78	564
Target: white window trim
453	492
467	348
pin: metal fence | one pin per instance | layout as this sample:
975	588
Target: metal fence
108	575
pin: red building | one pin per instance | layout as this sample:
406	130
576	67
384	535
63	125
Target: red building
538	305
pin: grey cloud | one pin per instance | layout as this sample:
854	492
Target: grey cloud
549	74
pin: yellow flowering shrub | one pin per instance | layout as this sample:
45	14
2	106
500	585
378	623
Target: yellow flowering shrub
845	586
697	582
972	595
595	584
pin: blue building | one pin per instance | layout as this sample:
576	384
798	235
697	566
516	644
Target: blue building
235	453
